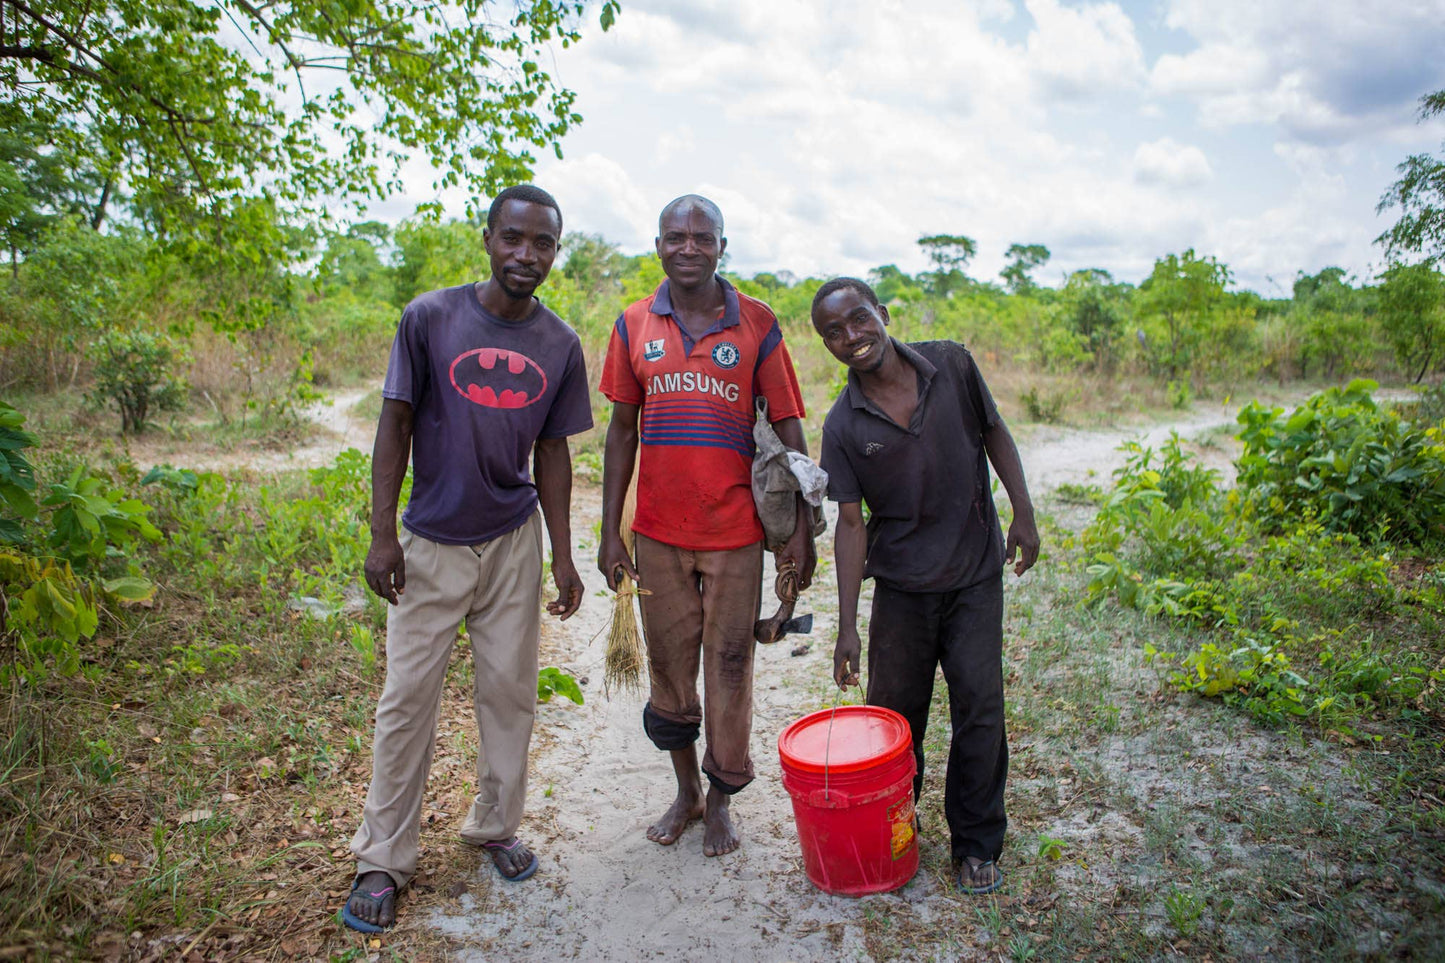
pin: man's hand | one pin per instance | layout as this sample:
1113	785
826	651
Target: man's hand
847	652
612	557
1022	534
800	551
386	567
569	588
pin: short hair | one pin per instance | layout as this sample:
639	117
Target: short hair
840	284
693	200
531	194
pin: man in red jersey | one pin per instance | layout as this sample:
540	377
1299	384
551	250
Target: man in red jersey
683	369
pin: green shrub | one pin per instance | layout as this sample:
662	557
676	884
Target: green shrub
1290	608
135	372
1045	407
90	528
1341	458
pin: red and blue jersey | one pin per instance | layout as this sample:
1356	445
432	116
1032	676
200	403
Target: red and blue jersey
694	469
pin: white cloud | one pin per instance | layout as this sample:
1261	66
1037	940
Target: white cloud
1166	163
1327	73
671	143
1077	52
1211	71
598	196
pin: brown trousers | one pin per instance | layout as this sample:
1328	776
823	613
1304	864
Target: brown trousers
496	587
701	611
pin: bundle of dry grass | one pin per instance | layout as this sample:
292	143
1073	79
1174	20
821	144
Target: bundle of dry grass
622	667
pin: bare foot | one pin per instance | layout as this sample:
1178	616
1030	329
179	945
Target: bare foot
686	808
718	835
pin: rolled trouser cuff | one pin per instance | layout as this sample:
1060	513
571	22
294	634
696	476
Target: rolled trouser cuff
726	788
668	734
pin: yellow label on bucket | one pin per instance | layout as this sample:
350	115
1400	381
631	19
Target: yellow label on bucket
900	820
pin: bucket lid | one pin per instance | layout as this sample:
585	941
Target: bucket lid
861	737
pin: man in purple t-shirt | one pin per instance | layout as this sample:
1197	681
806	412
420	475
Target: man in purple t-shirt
482	378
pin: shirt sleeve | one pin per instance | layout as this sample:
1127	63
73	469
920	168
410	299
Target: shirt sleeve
406	370
978	394
842	481
776	380
571	410
619	381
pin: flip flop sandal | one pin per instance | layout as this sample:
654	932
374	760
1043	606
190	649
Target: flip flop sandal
992	886
356	922
526	873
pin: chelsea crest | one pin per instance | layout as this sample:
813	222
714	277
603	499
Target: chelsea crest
726	355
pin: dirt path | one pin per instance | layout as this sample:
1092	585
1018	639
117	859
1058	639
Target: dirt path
340	428
604	892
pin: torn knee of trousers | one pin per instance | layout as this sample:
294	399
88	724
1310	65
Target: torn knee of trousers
667	734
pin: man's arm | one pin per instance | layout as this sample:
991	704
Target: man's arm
617	462
850	547
552	471
385	566
799	549
1023	533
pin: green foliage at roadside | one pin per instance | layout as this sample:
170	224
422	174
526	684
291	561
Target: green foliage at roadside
1294	582
69	554
1342	459
553	681
325	309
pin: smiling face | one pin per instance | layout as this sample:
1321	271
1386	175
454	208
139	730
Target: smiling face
522	246
853	329
689	244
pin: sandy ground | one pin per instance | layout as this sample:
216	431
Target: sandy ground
604	892
341	428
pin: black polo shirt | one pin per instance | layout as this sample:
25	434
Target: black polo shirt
933	526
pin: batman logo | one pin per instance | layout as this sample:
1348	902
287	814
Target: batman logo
498	378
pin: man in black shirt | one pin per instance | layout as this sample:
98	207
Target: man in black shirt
912	435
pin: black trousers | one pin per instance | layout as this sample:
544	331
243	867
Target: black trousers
910	634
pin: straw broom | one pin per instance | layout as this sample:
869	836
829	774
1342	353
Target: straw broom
623	664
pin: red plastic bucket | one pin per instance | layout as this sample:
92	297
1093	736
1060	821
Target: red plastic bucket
850	774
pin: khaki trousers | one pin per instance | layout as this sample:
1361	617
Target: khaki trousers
496	587
701	612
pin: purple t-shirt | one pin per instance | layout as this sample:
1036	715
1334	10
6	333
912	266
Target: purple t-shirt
482	391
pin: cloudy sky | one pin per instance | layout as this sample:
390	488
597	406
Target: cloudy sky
834	133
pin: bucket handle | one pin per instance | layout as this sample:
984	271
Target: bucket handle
828	745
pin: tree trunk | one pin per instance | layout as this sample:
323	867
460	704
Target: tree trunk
98	216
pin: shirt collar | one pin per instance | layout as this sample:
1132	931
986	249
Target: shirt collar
662	302
922	365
